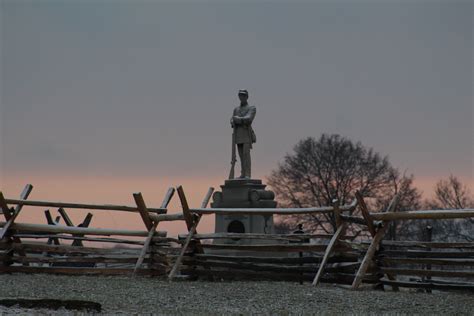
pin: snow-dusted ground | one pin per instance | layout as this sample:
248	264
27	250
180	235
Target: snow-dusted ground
150	295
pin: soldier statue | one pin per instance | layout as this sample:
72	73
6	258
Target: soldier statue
243	136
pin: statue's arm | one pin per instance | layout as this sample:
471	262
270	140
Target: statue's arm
233	119
248	118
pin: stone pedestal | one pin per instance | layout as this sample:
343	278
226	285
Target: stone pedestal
243	193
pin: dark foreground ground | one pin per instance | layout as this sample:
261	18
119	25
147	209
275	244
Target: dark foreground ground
123	295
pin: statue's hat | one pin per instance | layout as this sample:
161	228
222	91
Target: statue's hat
241	91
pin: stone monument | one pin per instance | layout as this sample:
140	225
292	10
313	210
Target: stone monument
243	192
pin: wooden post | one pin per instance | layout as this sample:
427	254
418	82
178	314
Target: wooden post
429	235
207	197
85	223
337	213
143	210
50	221
167	198
327	253
177	263
14	213
6	211
7	214
51	240
390	276
145	248
151	232
368	256
188	218
374	245
192	230
65	217
365	213
11	218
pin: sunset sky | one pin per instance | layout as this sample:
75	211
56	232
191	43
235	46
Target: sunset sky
100	99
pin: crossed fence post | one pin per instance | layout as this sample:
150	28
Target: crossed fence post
192	221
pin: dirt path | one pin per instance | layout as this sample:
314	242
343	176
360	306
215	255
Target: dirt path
145	295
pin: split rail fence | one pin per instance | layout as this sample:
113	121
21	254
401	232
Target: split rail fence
336	258
20	250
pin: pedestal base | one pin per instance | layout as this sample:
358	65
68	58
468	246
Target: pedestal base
243	193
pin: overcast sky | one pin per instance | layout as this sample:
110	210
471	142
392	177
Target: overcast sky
130	88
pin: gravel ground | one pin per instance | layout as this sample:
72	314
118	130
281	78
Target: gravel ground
125	295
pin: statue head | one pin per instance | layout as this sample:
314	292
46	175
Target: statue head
243	95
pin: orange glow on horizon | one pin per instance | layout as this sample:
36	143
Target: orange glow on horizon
118	190
96	190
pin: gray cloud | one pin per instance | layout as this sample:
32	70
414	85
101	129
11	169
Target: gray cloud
149	87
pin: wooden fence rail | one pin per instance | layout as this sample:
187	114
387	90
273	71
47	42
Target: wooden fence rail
336	261
271	211
107	207
431	214
19	254
338	258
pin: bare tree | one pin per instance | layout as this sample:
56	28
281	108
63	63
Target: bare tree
410	199
333	168
451	193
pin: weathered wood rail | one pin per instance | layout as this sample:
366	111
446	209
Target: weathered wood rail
292	256
337	258
428	265
331	258
62	250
